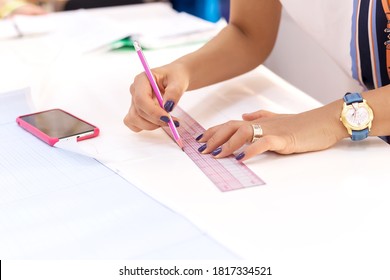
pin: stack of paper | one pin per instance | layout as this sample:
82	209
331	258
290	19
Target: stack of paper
79	30
181	28
83	30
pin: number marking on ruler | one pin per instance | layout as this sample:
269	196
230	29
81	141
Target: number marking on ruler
226	173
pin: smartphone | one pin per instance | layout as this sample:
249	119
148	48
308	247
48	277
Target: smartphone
56	125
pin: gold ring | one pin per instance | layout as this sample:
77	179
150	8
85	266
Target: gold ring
257	132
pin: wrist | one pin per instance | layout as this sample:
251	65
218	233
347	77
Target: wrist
356	116
10	6
181	73
189	65
379	100
333	110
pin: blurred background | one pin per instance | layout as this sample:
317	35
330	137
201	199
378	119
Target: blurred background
211	10
296	56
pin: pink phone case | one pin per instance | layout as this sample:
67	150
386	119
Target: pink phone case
46	138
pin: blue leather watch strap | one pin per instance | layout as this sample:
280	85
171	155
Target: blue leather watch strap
358	135
350	98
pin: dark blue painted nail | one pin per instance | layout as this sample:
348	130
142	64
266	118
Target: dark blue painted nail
168	106
199	137
202	148
177	124
165	119
240	156
217	151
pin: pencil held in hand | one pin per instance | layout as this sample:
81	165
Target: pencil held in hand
157	92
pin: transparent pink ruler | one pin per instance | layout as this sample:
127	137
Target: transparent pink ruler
226	173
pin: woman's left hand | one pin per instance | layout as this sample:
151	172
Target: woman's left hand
313	130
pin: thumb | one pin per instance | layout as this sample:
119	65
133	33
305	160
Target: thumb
172	95
257	115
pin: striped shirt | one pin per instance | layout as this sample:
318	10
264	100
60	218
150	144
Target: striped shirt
351	32
368	51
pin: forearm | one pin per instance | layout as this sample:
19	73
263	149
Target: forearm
379	101
243	45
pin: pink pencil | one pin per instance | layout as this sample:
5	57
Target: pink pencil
157	92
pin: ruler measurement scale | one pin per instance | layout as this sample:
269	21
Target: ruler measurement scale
226	173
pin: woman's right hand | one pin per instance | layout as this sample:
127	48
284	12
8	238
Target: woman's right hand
145	112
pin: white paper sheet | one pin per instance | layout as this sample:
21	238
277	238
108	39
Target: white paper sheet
28	25
78	31
57	204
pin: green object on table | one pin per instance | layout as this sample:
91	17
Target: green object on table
124	44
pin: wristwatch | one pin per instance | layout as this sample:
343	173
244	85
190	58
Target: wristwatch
356	116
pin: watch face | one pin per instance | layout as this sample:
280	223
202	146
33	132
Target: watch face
357	117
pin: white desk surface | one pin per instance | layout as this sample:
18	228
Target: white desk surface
317	210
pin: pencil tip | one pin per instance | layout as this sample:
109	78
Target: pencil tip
180	143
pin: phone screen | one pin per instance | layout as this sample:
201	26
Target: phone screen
58	124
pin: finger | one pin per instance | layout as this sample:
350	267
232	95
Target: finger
159	120
144	100
176	121
266	143
217	135
172	94
144	124
237	140
257	115
136	123
206	135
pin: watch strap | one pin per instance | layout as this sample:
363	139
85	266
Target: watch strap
350	98
358	135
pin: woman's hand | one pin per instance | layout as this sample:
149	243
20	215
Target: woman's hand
145	112
313	130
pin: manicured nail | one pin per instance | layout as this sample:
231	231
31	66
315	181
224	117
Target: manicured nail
240	156
217	151
199	137
202	148
165	119
168	106
177	124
